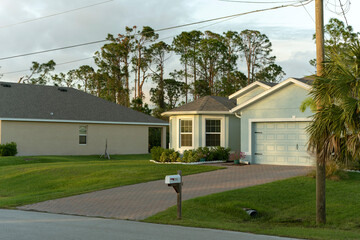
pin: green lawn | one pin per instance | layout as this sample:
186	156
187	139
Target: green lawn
25	180
286	208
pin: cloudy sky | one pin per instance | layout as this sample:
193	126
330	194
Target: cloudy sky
289	29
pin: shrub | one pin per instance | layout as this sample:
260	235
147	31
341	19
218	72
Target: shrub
169	155
190	156
220	153
8	149
156	153
237	155
175	157
333	171
163	157
203	152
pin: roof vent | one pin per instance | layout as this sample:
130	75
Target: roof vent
5	85
62	89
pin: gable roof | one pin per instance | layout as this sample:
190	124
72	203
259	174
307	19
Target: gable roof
61	104
250	87
204	105
302	82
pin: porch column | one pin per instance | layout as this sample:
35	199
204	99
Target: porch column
163	137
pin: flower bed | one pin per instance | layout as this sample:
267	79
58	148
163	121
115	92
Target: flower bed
202	154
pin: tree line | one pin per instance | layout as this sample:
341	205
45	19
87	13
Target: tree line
209	65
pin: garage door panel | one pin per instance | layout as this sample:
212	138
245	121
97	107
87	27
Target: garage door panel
270	147
280	137
281	147
270	136
282	143
291	136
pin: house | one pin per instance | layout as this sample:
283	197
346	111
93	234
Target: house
50	120
205	122
263	120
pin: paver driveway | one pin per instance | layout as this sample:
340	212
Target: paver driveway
142	200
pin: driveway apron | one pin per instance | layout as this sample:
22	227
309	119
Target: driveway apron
139	201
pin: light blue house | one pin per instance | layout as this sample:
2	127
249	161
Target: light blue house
263	120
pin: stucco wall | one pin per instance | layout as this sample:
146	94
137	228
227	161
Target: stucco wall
252	93
42	138
0	132
234	133
284	103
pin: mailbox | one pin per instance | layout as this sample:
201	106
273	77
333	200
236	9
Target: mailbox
172	179
175	181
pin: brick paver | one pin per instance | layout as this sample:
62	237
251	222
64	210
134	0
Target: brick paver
142	200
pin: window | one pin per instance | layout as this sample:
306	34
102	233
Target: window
83	135
185	133
212	132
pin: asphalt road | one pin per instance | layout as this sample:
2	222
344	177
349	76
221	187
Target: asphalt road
26	225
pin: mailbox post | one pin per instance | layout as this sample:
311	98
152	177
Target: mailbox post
175	181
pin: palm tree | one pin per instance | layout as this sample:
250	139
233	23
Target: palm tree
335	129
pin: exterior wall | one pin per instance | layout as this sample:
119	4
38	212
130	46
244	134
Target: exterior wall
280	105
228	138
252	93
43	138
0	132
234	133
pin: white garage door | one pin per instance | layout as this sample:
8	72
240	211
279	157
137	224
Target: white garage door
281	143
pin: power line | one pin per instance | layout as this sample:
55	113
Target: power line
343	12
59	64
163	29
55	14
53	49
161	39
307	12
240	1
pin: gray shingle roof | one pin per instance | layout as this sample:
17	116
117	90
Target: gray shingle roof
208	104
27	101
306	80
270	84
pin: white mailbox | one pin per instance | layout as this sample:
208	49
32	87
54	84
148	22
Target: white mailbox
172	179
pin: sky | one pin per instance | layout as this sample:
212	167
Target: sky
289	29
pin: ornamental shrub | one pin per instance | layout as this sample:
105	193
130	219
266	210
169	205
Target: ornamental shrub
174	157
156	153
203	152
220	153
8	149
190	156
169	155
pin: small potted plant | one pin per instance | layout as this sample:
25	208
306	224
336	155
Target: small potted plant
237	156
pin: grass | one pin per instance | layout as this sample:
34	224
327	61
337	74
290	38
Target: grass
26	180
285	208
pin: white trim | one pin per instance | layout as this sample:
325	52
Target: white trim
81	121
195	113
222	129
82	135
271	90
255	120
179	147
248	88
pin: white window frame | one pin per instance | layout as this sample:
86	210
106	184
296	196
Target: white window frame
82	134
222	129
179	132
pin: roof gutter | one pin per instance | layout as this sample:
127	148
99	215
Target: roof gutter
82	121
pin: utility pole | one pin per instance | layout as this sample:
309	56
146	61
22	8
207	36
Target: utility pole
320	162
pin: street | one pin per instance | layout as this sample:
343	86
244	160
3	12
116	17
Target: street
27	225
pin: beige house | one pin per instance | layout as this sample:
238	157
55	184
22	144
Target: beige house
50	120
